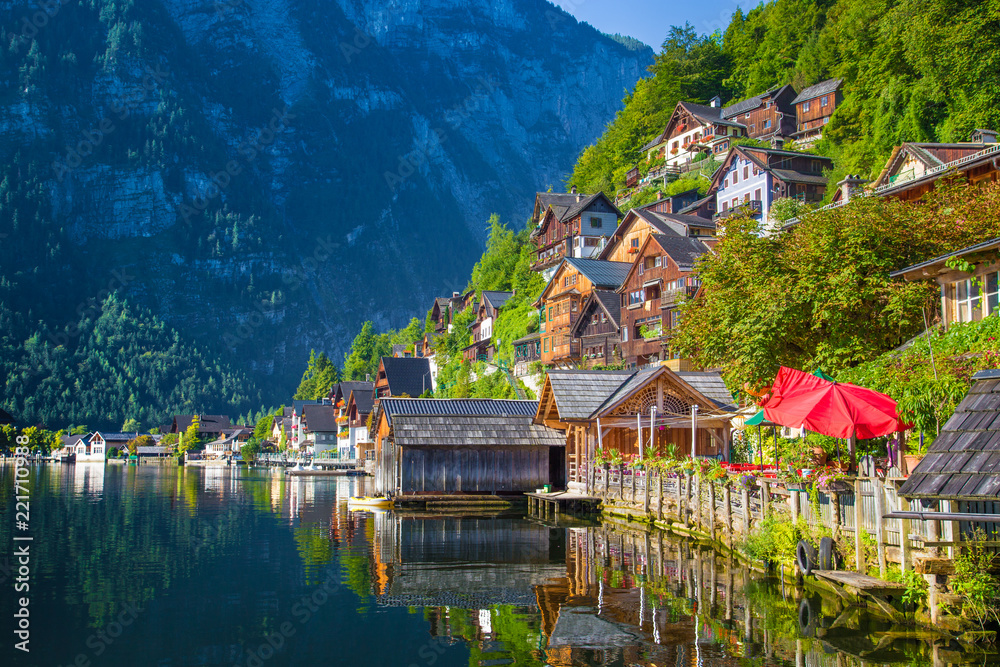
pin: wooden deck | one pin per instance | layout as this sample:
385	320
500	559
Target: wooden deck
855	587
547	505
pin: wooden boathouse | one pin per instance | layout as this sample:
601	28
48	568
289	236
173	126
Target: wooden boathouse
454	447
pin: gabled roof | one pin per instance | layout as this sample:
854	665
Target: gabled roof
407	375
932	155
344	389
710	385
321	418
708	115
480	431
479	407
815	90
496	299
752	103
580	393
363	398
683	250
207	423
73	440
963	462
117	437
601	273
694	206
298	405
760	157
931	267
604	300
790	176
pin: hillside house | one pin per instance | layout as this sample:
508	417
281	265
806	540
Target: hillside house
319	423
357	445
913	168
639	224
441	313
673	203
751	179
622	410
598	329
571	225
526	350
660	279
562	298
481	328
813	108
766	115
691	130
228	443
401	376
703	208
966	296
209	426
463	446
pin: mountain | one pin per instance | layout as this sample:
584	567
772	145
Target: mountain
262	176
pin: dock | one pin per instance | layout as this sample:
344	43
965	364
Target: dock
561	502
325	473
855	587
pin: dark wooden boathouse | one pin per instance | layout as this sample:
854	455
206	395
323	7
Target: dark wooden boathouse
464	446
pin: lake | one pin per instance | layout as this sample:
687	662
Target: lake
168	567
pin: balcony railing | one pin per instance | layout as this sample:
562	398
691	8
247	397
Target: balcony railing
671	297
752	207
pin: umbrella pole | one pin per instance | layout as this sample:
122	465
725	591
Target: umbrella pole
775	447
760	443
852	443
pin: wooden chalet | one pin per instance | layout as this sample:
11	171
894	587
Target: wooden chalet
766	115
571	225
526	350
562	298
426	345
621	409
914	168
209	426
673	203
489	307
402	376
692	129
965	296
639	224
703	208
319	426
441	313
463	446
598	329
661	278
813	108
357	444
962	465
752	178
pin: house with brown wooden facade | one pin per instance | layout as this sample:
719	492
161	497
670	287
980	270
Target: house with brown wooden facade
402	376
769	114
453	446
966	296
441	313
813	108
571	225
526	350
488	309
562	298
752	178
661	278
673	203
913	168
693	129
630	410
598	329
639	224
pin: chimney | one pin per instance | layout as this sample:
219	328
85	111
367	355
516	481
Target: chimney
983	137
777	143
715	102
850	186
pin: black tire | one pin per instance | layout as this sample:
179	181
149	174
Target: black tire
805	554
827	554
808	615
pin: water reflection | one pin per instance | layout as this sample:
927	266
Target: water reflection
222	559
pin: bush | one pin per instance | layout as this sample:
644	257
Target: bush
979	590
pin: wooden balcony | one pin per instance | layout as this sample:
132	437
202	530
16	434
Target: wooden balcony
670	298
751	208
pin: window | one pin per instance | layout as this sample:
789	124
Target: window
650	262
992	292
823	101
805	106
736	176
642	267
753	127
657	261
735	202
768	105
634	242
725	206
635	297
967	301
747	115
574	306
746	172
767	123
546	342
756	195
595	222
624	334
550	313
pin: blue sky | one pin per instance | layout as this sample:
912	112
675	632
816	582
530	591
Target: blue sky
649	20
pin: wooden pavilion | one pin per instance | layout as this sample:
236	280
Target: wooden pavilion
620	409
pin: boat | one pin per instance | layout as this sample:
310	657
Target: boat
378	502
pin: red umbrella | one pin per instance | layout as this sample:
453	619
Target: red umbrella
836	409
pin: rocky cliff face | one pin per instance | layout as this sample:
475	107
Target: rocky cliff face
275	172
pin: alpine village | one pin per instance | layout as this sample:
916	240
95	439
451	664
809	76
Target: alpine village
717	334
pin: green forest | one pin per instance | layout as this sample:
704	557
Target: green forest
913	70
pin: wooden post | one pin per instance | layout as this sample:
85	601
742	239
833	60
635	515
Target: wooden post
727	501
904	545
698	510
933	529
879	527
835	511
645	490
689	480
859	528
746	512
659	496
680	494
765	498
711	516
632	477
793	500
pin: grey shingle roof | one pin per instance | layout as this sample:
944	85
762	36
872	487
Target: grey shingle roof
940	260
364	398
612	304
790	176
117	437
579	393
497	299
708	114
488	407
963	462
321	418
208	423
530	337
682	249
821	88
711	385
696	205
750	103
482	431
601	273
407	375
637	380
344	389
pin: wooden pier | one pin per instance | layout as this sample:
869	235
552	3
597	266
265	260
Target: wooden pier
855	587
548	505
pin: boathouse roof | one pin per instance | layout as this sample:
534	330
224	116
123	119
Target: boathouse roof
479	431
469	407
963	462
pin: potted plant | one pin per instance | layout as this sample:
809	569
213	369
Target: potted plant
916	448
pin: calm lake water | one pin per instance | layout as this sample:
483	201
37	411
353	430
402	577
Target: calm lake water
169	567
